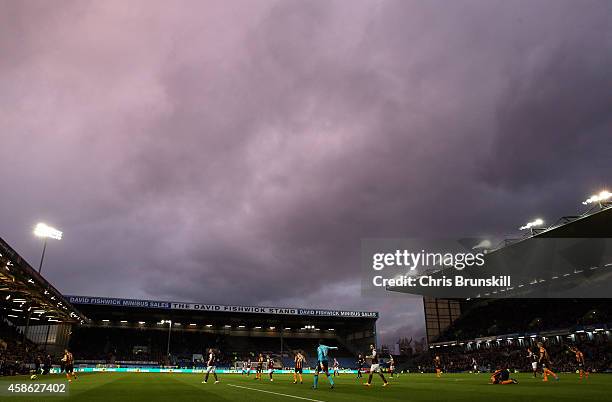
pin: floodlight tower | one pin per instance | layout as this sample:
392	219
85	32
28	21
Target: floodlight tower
169	322
46	232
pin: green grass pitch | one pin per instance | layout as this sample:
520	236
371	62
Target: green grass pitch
134	387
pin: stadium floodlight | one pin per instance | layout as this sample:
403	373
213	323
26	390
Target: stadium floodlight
43	230
598	198
531	225
46	232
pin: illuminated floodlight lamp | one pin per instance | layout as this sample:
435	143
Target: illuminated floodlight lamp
530	225
46	232
43	230
598	198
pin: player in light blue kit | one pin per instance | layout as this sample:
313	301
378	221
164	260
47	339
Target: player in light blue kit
323	364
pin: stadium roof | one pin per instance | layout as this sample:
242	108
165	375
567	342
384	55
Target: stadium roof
24	292
591	279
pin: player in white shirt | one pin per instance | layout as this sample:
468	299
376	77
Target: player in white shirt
249	366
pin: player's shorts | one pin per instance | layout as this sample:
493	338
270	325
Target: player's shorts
69	368
580	366
322	366
210	369
392	368
534	365
259	369
374	368
270	371
298	370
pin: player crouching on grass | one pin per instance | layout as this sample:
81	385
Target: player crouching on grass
375	367
323	364
211	364
502	376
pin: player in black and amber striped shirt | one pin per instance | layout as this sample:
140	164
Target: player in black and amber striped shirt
299	365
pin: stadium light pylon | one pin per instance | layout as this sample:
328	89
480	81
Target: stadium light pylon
46	232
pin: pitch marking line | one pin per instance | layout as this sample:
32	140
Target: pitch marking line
275	393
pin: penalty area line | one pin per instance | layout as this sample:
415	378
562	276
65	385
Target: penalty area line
275	393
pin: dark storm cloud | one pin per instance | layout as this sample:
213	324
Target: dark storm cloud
237	153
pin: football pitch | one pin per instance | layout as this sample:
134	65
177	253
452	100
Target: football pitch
409	387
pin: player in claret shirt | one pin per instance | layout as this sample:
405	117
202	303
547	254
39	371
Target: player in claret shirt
211	366
375	367
391	366
336	367
533	359
438	366
270	364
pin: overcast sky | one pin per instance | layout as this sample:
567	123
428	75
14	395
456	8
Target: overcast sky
237	151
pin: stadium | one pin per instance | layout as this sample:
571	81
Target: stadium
119	338
293	200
